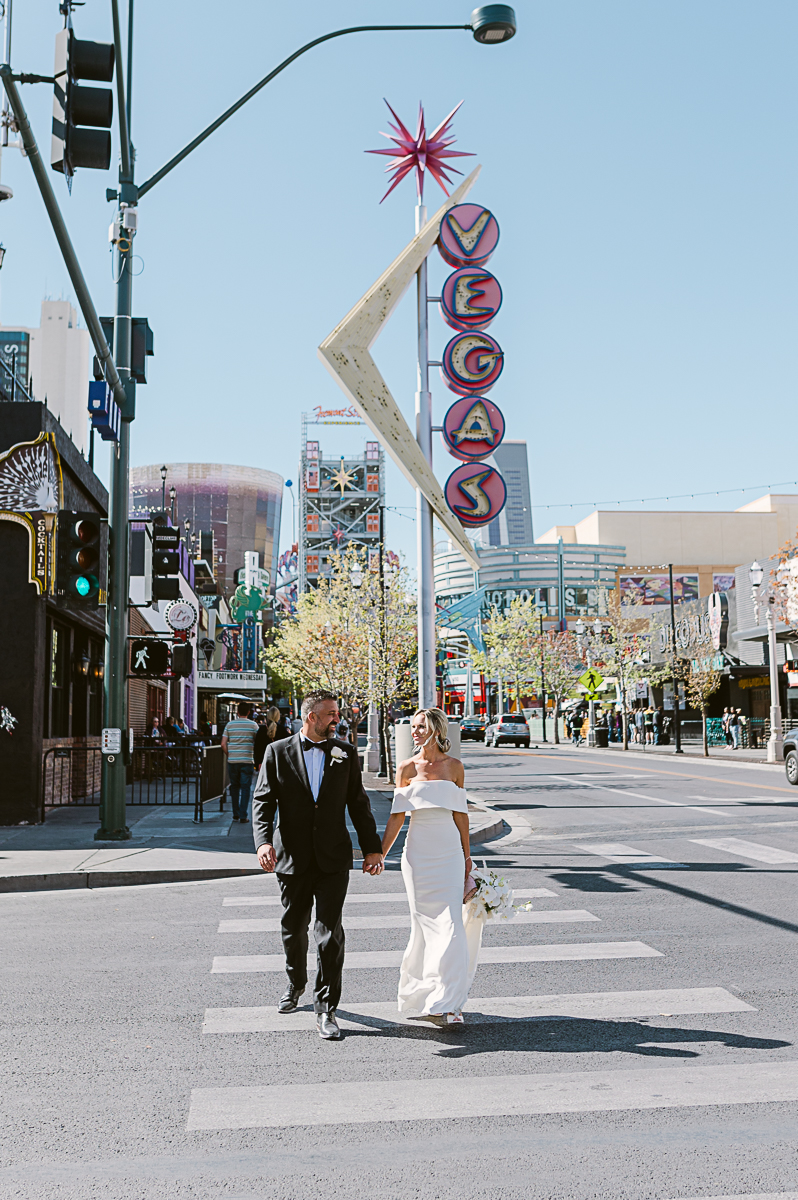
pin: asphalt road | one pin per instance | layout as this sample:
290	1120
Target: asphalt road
635	1038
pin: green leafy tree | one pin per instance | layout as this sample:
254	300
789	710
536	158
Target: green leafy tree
703	680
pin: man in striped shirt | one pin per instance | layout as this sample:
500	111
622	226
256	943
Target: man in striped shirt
238	743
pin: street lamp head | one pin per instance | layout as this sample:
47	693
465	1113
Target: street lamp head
187	524
756	573
598	628
493	23
579	628
164	471
356	577
289	483
172	492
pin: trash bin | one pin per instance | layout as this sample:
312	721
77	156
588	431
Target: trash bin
602	737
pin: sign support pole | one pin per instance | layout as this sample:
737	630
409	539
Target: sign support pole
425	565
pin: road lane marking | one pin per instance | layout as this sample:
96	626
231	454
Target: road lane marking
379	959
591	1006
627	855
743	849
746	799
744	783
639	796
757	1196
366	898
458	1098
402	921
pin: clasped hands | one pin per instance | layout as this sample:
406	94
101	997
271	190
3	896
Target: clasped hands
372	863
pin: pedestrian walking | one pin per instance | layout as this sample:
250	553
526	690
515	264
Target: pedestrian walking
734	729
648	725
640	726
267	732
238	743
304	790
656	721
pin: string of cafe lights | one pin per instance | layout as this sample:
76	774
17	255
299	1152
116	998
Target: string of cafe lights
682	496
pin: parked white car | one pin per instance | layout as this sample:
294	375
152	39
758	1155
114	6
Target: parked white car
509	727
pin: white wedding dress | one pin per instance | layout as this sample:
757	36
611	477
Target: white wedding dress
441	957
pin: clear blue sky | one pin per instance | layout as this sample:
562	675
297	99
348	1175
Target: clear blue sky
640	158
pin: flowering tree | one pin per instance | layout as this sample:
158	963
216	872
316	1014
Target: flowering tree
557	663
624	650
703	680
352	637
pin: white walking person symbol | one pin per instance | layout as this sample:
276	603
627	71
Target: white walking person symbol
141	659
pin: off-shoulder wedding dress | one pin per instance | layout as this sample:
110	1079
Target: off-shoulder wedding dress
441	957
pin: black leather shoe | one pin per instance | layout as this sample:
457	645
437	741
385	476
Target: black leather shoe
289	1001
328	1026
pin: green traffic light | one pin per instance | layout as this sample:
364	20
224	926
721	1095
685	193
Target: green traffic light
82	585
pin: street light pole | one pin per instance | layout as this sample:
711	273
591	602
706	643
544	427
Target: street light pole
542	675
775	747
425	565
113	822
677	732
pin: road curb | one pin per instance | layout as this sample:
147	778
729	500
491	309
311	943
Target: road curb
71	880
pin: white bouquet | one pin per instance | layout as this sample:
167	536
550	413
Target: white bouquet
493	900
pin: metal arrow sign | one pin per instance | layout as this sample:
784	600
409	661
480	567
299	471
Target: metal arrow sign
346	355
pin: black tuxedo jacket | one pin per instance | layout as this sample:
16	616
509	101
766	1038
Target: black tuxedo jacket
305	834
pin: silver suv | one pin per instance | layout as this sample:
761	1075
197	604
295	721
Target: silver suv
510	727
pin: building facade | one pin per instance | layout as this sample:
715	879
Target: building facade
239	506
53	362
51	683
341	500
513	526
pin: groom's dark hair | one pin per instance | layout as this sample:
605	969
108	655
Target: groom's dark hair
314	698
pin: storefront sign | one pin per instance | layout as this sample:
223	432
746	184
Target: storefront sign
470	299
475	493
31	492
469	235
472	363
242	680
473	428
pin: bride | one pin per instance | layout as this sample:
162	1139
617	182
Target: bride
441	956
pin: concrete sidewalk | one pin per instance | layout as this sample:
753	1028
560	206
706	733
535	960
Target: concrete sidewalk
166	845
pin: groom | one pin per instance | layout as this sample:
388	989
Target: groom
305	785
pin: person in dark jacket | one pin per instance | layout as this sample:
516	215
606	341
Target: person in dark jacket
306	785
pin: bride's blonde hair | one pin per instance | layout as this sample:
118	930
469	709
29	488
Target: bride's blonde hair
437	724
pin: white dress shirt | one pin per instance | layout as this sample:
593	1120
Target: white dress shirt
314	765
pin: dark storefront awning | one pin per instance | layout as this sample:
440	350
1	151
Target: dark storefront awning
759	633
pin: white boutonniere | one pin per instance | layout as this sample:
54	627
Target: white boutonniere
337	754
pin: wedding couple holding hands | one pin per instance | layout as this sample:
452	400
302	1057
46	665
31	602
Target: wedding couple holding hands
305	787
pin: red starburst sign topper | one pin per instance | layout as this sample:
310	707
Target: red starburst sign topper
420	153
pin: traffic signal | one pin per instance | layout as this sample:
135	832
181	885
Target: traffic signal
82	116
149	658
165	562
82	564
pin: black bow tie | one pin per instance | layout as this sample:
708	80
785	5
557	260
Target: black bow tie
308	745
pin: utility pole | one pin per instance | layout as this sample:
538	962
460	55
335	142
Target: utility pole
113	821
425	565
677	733
542	676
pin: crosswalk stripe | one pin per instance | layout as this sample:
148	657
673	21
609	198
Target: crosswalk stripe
627	855
369	898
566	916
378	959
585	1005
743	849
366	1101
638	795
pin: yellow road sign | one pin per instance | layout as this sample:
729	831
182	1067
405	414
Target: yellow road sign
591	680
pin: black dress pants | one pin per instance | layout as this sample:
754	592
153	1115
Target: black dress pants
298	893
